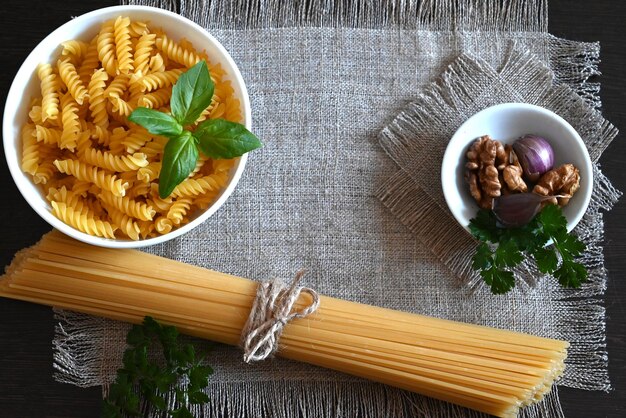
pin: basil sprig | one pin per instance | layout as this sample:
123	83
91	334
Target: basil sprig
215	138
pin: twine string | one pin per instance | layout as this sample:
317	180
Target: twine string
271	311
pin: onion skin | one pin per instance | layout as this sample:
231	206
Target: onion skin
516	210
535	155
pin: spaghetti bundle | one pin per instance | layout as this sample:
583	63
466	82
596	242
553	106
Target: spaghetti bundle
486	369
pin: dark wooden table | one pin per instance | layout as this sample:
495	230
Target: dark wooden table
27	388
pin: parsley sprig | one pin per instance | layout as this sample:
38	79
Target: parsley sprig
501	249
215	138
141	375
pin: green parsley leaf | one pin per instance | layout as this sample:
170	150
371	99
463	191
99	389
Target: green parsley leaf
568	245
547	261
181	412
191	94
147	377
484	227
483	259
500	281
198	398
552	220
219	138
179	159
511	244
157	123
571	274
507	254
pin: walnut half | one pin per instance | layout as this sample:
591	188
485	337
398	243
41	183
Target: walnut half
483	159
563	181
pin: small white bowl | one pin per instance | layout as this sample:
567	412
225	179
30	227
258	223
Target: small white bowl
26	86
506	123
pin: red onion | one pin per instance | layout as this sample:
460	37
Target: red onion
517	210
535	155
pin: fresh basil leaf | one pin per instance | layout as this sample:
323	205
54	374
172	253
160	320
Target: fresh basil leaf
179	159
221	139
191	94
157	123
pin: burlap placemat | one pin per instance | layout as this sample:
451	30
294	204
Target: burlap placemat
325	77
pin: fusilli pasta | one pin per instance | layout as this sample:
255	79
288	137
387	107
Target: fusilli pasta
99	171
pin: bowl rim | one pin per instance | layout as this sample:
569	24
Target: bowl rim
450	153
19	177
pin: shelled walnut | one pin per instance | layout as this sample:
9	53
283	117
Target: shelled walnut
486	161
563	181
483	158
512	173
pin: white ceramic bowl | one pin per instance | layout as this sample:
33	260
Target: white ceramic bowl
506	123
26	86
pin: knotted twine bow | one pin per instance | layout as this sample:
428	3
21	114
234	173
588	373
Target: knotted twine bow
270	313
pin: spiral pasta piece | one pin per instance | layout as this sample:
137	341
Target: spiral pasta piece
72	199
154	147
84	221
202	159
139	189
232	109
116	140
121	163
35	115
71	122
195	187
123	48
128	206
80	187
145	228
138	28
125	224
175	52
50	136
74	49
135	88
113	162
106	48
30	150
90	61
143	50
49	92
97	101
160	79
223	166
157	64
205	201
68	74
122	107
137	138
44	172
117	87
163	225
86	172
156	99
178	210
150	172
